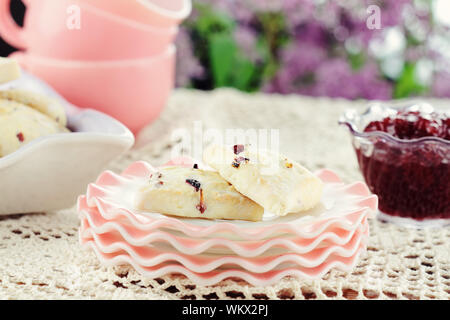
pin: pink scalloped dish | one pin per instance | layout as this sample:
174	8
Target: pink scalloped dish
305	245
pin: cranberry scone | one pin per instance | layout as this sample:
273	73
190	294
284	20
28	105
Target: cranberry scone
20	124
9	70
42	103
195	193
277	183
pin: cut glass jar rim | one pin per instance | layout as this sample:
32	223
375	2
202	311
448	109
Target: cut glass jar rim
377	111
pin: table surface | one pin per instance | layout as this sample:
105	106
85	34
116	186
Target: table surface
40	257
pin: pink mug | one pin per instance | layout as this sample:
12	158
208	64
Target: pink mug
159	13
133	91
70	29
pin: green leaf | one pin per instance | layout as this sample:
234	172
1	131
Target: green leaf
211	22
406	85
243	74
357	60
222	52
212	32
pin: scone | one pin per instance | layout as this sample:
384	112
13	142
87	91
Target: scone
9	70
278	184
44	104
195	193
20	124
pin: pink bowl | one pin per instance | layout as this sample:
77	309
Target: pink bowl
51	30
133	91
160	13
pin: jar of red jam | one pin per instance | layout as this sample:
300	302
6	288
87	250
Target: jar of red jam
404	155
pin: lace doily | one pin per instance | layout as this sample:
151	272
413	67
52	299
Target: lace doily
40	257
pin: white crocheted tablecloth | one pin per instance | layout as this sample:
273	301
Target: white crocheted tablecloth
40	257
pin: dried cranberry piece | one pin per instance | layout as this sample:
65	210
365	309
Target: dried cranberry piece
237	162
20	136
238	148
201	206
196	184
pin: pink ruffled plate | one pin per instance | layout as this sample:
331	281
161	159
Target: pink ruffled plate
343	207
345	264
154	254
304	245
192	246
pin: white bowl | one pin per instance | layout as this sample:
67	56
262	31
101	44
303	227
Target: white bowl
50	172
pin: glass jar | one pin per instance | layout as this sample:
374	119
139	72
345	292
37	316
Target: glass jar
410	177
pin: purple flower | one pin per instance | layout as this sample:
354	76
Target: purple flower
391	10
188	66
298	12
319	48
246	39
312	32
299	62
334	79
371	84
441	85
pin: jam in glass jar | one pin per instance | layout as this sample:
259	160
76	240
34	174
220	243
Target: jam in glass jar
404	156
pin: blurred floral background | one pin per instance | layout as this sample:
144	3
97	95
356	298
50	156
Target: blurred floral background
318	47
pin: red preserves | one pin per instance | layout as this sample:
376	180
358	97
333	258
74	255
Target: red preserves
411	179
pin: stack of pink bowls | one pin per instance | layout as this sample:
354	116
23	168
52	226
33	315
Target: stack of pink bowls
116	56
